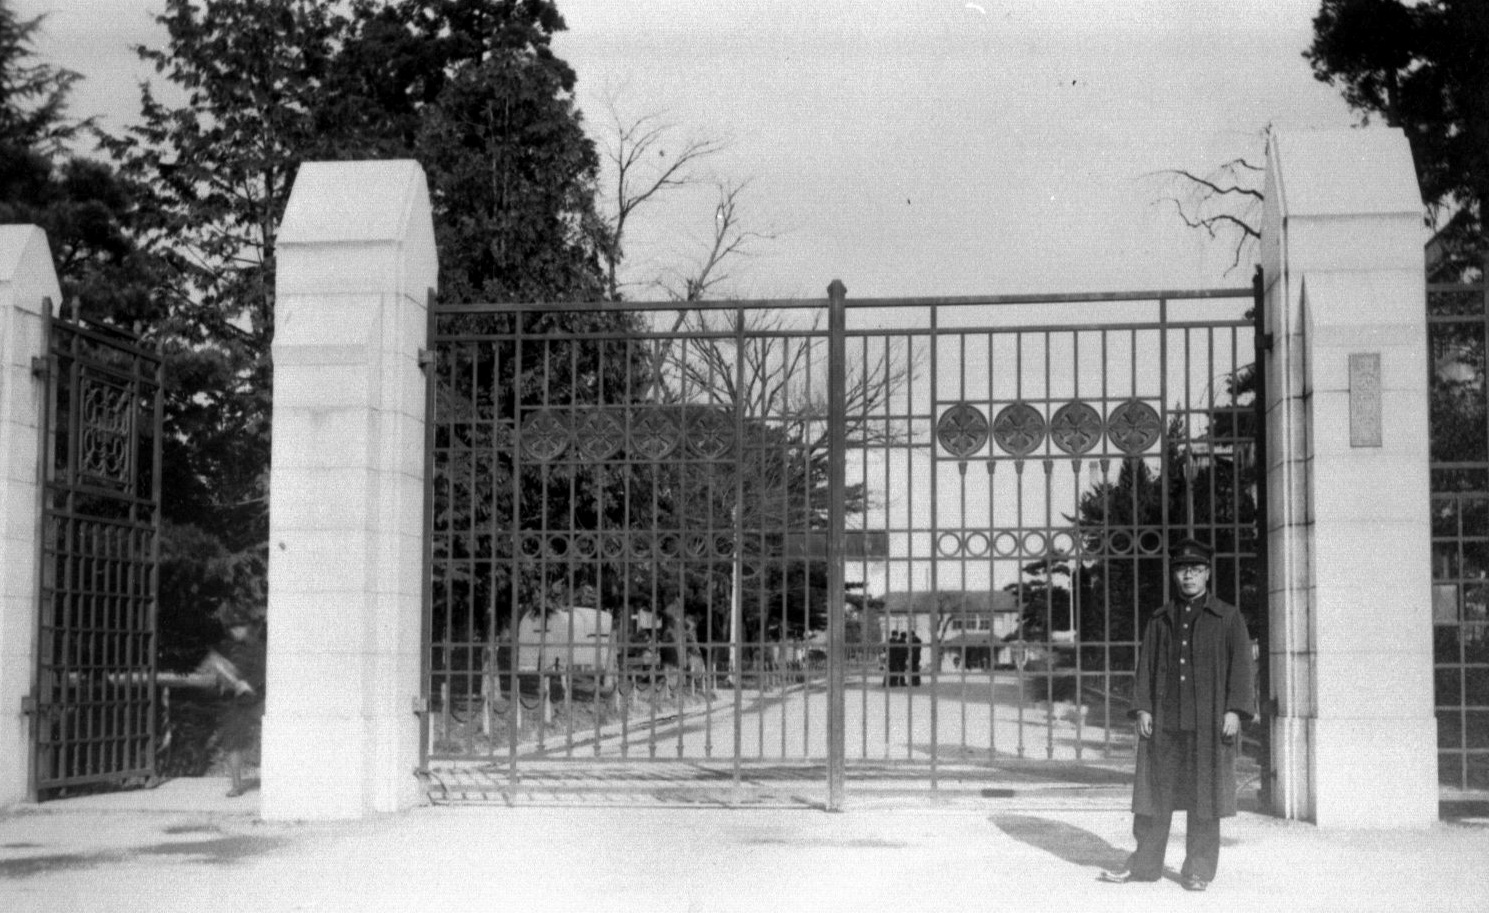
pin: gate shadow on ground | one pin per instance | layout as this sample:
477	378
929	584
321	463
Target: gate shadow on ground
1065	841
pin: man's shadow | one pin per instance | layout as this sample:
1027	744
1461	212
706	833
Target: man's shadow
1066	841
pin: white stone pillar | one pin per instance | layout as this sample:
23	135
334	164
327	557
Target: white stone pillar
27	278
1354	738
356	263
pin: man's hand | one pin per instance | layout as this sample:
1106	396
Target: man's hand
1145	723
241	688
1231	727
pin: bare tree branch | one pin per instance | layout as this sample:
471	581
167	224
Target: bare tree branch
644	168
1225	202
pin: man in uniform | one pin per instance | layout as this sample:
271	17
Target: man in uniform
1193	690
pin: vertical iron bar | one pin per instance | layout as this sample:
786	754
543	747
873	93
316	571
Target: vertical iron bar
430	364
837	325
1263	545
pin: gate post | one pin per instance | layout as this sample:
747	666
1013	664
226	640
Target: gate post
1353	738
837	437
356	261
27	279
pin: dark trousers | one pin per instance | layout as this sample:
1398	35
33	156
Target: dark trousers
1175	760
1201	846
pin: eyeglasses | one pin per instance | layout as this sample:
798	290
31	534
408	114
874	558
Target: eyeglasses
1188	569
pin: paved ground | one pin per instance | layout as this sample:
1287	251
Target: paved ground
184	846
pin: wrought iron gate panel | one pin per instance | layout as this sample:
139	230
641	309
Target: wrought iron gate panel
1026	472
629	511
94	699
632	535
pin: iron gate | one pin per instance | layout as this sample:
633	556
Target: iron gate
692	533
93	705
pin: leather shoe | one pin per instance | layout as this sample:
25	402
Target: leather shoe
1191	883
1122	876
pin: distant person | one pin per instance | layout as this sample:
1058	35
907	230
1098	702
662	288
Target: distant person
238	663
912	650
1193	690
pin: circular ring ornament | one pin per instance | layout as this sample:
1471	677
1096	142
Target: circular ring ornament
586	545
654	435
531	546
962	430
1120	543
1035	543
641	545
1019	429
613	545
545	435
1063	544
558	546
948	544
1006	544
1076	428
977	544
1150	542
599	434
710	433
1134	426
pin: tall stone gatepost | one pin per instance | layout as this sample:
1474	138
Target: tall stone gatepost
1354	738
27	279
356	264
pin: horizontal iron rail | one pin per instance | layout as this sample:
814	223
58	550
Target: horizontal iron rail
797	303
862	332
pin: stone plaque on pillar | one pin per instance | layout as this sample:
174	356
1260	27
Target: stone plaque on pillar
1364	399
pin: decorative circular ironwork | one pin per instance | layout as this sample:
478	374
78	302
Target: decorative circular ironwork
1076	427
1019	429
723	546
1063	544
669	546
1035	543
641	545
545	435
599	434
962	430
558	546
613	545
586	545
1134	426
1119	543
531	546
1006	544
977	544
948	544
710	433
1150	542
654	435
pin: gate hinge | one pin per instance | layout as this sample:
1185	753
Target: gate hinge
426	359
421	705
28	704
40	366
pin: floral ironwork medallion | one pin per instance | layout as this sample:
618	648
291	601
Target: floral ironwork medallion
1076	428
106	432
962	430
1019	429
1134	426
654	434
599	434
710	433
545	435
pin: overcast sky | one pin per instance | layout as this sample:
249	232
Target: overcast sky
908	147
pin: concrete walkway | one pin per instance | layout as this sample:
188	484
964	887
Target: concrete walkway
185	847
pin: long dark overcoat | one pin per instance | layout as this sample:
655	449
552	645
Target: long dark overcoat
1223	681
